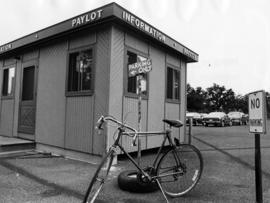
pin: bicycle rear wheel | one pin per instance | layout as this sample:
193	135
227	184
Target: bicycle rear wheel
99	178
179	170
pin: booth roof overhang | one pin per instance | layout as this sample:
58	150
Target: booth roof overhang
109	13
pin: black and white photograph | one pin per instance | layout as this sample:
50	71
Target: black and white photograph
134	101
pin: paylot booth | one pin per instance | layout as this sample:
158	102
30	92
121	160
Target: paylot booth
56	82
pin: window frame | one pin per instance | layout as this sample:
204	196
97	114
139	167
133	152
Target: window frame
81	92
9	96
173	100
130	94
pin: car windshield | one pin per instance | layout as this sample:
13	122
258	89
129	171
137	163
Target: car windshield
193	114
216	114
234	114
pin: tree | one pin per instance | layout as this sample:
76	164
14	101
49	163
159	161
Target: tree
216	98
268	104
196	99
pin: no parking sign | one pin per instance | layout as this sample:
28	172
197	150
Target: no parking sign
257	125
257	112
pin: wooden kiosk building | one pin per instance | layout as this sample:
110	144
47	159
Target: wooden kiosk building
56	82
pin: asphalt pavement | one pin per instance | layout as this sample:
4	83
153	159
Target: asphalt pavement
228	174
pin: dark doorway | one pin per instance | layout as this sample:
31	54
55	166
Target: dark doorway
27	114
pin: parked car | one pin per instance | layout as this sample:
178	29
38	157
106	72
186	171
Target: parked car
203	115
217	119
238	118
196	118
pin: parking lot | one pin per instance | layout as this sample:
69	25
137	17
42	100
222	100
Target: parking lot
232	147
228	174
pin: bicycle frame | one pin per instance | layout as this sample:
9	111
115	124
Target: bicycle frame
167	136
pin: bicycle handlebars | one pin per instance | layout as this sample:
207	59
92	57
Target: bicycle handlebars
103	119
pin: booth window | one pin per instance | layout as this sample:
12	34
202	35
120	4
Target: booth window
8	81
80	72
133	81
173	84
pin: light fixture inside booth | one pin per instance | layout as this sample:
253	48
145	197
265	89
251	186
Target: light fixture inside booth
83	62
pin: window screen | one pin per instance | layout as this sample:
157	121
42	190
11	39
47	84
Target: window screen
173	84
8	81
133	84
80	71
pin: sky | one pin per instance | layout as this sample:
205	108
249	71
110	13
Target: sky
232	37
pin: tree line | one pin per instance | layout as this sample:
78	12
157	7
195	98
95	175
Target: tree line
218	98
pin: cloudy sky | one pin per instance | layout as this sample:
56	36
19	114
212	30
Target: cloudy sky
232	37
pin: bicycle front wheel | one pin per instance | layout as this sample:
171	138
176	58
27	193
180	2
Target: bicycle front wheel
179	170
99	178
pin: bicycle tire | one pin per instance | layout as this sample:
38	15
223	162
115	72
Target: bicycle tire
99	178
188	174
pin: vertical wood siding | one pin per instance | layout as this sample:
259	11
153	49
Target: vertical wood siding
116	79
156	96
136	43
82	39
30	55
173	60
183	100
173	112
17	97
80	109
6	119
130	114
101	85
7	106
79	123
50	114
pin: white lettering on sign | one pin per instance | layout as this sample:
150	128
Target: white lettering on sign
140	67
139	24
86	18
257	112
189	53
5	47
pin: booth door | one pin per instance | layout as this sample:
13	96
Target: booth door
27	113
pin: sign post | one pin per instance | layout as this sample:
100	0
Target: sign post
137	69
257	125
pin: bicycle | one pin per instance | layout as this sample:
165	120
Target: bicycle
176	171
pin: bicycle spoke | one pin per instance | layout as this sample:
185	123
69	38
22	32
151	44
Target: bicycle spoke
179	170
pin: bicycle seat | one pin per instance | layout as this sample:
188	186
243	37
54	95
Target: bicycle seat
173	123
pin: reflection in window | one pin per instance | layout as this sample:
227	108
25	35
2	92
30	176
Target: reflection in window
133	81
8	81
80	71
173	84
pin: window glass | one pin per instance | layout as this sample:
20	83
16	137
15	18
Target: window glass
176	84
169	83
173	84
8	81
28	83
80	71
133	81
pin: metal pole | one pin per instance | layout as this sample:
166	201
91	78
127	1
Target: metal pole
139	117
258	170
189	130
